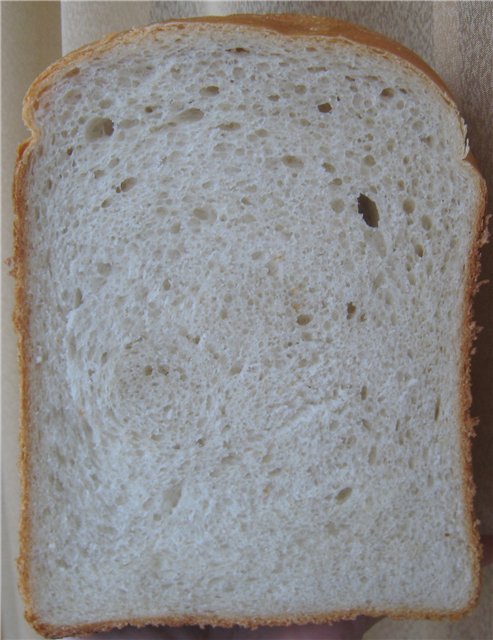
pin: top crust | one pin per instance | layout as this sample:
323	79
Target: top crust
289	26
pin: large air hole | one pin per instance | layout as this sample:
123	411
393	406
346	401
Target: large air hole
325	107
292	161
99	128
211	90
408	205
126	185
304	319
350	310
229	126
343	495
387	93
418	248
368	209
190	115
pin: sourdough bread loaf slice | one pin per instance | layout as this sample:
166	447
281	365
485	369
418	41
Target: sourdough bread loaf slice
246	249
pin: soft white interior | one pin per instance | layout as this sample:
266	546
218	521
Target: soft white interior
244	393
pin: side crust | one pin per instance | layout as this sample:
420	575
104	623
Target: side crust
291	26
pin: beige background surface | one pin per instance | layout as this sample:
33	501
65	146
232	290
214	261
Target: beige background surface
456	38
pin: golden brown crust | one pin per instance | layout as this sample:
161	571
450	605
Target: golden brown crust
289	25
21	323
469	334
51	631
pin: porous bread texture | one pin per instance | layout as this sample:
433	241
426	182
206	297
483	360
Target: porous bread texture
246	263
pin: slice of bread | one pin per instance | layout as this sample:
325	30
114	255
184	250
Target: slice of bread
246	250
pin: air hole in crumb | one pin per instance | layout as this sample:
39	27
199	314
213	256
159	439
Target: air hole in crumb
70	151
369	161
127	184
350	310
325	107
419	250
211	90
98	128
344	494
106	203
364	392
128	123
78	298
337	205
368	209
104	268
147	370
372	456
166	285
292	161
237	50
229	126
200	213
274	97
236	369
436	414
72	96
190	115
426	222
387	93
408	205
304	319
329	167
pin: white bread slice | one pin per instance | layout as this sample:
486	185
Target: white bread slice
246	249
